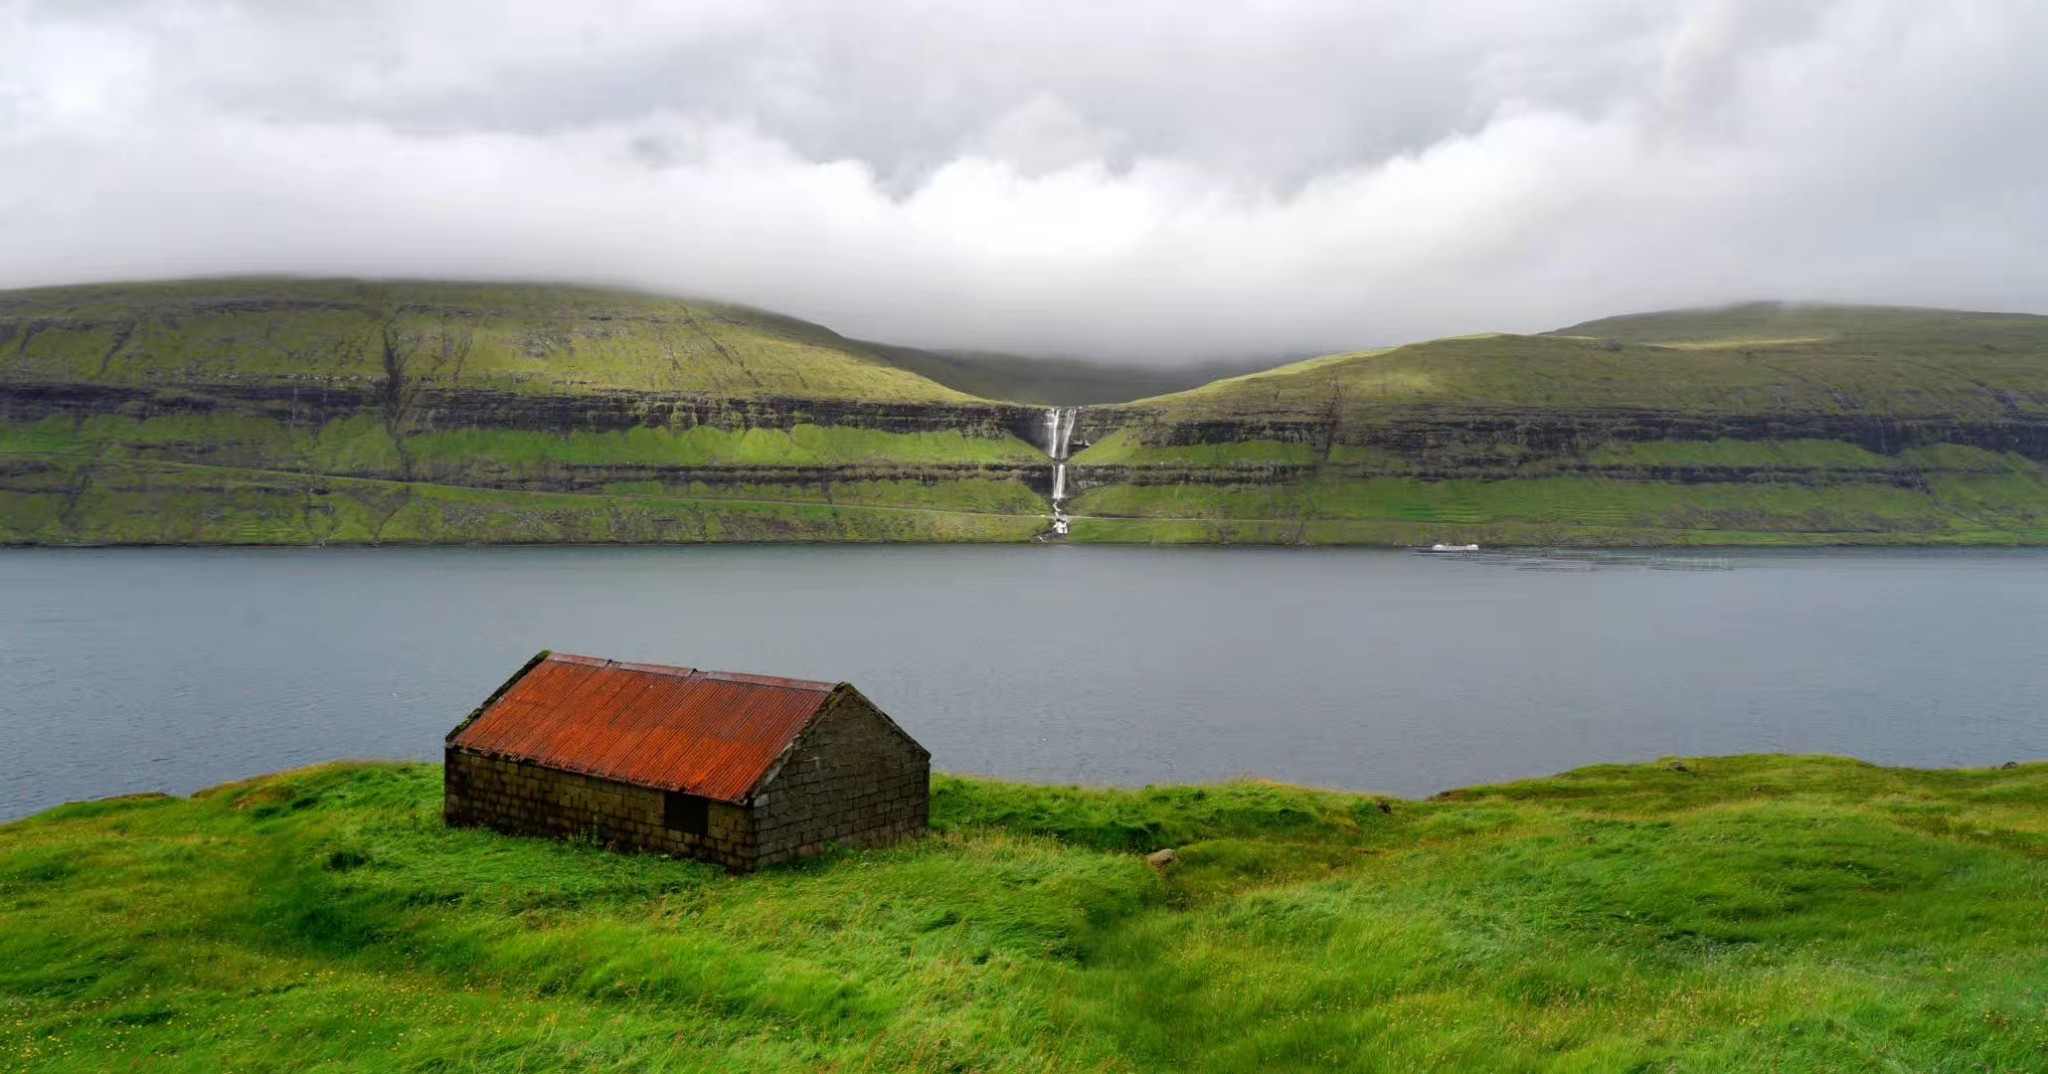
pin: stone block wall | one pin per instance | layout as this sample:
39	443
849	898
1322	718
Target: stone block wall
852	779
524	799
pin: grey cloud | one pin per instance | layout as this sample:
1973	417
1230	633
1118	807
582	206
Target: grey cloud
1164	181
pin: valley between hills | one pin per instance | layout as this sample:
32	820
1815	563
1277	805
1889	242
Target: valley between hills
311	412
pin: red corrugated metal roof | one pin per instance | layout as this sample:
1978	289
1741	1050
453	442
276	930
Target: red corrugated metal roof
709	733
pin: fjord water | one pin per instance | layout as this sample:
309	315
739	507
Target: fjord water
174	669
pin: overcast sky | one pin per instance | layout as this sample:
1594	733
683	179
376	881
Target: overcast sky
1162	181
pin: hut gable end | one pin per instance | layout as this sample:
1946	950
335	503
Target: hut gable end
852	778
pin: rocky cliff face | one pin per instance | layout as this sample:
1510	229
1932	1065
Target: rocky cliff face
1448	435
1587	476
177	462
427	406
146	456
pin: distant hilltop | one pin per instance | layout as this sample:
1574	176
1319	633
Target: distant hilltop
287	411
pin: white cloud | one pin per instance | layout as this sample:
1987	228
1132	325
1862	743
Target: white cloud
1139	180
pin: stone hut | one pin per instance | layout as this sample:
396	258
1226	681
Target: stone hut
742	770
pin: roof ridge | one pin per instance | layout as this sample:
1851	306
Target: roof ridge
654	669
807	685
680	672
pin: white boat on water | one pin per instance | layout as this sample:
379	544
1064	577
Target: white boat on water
1440	547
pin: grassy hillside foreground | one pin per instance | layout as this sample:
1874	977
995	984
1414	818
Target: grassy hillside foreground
1728	914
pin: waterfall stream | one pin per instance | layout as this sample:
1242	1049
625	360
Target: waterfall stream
1059	435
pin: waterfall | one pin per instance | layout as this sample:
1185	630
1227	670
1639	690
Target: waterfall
1059	435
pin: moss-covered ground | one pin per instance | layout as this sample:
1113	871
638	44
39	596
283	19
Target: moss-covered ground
1760	913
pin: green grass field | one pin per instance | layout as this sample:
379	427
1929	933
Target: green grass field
1781	914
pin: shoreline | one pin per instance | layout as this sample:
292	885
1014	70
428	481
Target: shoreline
1669	763
1770	542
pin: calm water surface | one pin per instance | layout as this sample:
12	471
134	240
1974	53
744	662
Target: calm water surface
131	670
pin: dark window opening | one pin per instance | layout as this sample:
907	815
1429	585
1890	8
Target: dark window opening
686	813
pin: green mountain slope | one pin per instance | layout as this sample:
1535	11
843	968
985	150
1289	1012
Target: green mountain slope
322	411
1754	424
519	337
1727	914
304	412
1755	359
1878	329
